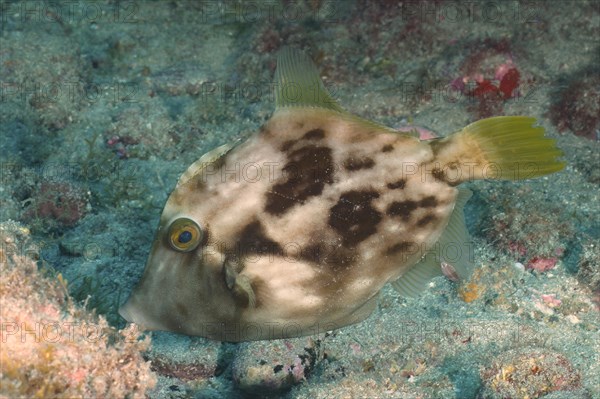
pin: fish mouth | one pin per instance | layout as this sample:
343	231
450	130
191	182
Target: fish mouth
134	314
125	312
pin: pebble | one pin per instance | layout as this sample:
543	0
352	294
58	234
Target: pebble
273	366
519	267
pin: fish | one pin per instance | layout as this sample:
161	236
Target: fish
295	230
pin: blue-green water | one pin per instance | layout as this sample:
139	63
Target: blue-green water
104	104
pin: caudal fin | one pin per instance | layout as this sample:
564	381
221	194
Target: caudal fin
502	147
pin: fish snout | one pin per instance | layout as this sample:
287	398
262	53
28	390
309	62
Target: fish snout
133	313
125	311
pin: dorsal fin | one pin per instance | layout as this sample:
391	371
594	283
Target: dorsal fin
455	236
298	83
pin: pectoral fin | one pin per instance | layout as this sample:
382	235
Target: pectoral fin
239	284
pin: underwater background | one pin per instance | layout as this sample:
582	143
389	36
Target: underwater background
103	104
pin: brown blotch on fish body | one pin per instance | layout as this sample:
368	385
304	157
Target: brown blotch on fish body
425	220
354	218
402	208
438	174
330	255
314	253
428	202
356	163
401	247
253	239
314	134
405	208
387	148
307	172
287	145
399	184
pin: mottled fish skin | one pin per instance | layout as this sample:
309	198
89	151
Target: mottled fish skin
304	223
321	236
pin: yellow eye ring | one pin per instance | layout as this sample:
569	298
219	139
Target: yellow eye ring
185	235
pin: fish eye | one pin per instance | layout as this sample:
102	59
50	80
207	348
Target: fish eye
185	235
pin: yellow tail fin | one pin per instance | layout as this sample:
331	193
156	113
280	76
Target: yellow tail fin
502	147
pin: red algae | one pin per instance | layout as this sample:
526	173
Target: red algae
541	265
490	97
57	203
509	83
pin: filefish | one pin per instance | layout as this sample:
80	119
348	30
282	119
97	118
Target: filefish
295	230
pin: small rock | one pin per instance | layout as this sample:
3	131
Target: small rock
573	319
181	359
548	311
519	267
274	366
